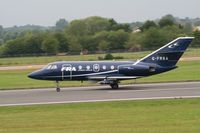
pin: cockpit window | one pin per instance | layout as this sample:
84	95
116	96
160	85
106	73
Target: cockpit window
50	67
54	67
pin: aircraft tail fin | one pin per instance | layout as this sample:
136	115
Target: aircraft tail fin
169	54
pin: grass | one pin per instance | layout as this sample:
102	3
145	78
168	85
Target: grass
47	59
152	116
187	71
19	80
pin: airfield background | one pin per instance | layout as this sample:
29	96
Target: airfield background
95	35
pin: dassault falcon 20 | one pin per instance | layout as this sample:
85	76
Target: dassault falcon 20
111	72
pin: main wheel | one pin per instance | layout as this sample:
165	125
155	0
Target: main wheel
114	86
58	89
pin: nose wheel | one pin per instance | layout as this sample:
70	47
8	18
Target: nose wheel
57	86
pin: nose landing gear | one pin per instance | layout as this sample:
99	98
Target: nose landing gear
57	86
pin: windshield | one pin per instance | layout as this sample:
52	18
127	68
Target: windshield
50	67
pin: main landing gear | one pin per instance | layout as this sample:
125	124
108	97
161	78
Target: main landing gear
57	86
114	86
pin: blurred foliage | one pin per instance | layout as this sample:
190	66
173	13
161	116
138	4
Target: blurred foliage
61	24
94	34
110	57
147	25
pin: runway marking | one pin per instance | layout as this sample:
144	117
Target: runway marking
103	100
171	89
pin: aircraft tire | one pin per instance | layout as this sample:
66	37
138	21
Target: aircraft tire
58	89
114	86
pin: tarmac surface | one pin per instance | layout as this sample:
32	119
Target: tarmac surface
100	93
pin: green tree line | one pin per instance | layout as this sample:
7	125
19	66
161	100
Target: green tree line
93	34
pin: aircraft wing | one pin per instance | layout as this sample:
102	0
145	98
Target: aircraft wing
99	78
110	79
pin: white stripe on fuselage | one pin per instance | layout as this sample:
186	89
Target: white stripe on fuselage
114	77
90	74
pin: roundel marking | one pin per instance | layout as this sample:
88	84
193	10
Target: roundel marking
96	67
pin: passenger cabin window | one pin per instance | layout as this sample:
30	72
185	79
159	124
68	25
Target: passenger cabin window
112	67
104	67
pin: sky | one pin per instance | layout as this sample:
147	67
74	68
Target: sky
47	12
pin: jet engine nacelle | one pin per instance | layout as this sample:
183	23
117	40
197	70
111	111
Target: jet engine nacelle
138	70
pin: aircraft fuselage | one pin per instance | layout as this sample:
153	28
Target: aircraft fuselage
111	72
96	70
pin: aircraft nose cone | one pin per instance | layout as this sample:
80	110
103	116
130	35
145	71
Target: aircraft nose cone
34	75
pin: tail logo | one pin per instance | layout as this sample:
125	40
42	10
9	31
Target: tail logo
174	45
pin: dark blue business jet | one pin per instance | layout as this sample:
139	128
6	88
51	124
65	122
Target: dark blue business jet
111	72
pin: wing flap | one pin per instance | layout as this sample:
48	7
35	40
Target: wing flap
113	77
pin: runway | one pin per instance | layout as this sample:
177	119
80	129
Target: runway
100	93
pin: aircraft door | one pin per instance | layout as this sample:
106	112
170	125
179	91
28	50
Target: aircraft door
66	71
